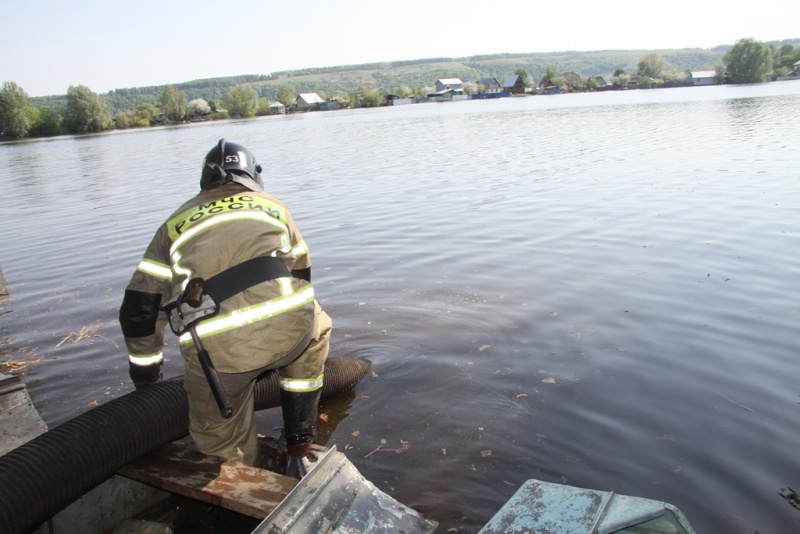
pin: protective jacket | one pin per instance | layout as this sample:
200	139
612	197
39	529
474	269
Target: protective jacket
223	231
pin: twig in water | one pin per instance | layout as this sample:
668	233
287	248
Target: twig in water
373	452
85	333
404	446
734	402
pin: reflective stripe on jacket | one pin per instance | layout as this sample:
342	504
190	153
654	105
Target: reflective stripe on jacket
209	234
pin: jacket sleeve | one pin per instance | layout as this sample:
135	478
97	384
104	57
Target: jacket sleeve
141	321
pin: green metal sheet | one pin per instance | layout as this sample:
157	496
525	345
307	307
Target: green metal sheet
546	508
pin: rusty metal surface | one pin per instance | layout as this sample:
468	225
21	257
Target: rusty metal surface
248	490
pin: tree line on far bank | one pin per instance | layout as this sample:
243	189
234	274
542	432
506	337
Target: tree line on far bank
748	61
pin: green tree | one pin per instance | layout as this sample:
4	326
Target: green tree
352	98
404	91
372	97
173	100
242	101
86	111
263	107
787	56
644	80
621	80
652	66
286	94
15	111
198	106
145	114
719	73
549	74
470	88
123	119
560	82
749	61
676	77
46	123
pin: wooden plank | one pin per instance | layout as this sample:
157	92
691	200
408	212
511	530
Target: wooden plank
233	485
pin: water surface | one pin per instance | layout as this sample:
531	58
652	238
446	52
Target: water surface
594	289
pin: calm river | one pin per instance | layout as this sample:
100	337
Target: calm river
601	290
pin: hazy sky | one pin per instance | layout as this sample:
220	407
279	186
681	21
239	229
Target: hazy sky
48	45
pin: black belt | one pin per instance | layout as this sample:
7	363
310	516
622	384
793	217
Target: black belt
245	275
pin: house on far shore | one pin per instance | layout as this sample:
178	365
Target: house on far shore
446	95
276	108
704	77
447	89
491	85
601	83
397	100
308	102
549	88
572	78
514	85
330	105
449	84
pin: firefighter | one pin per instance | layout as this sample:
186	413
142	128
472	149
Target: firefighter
243	245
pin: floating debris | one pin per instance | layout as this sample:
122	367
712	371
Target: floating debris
84	333
404	446
791	497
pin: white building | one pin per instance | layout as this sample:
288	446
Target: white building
308	101
449	84
704	77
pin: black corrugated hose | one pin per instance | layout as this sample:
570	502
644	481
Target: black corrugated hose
46	474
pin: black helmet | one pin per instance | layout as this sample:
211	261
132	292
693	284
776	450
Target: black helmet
230	162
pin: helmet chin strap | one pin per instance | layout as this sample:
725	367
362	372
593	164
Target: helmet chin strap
250	184
226	176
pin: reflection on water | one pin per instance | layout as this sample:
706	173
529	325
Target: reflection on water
594	289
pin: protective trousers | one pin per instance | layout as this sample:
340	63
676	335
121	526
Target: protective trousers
300	399
236	438
300	427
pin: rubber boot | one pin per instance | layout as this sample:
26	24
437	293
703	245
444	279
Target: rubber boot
300	428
